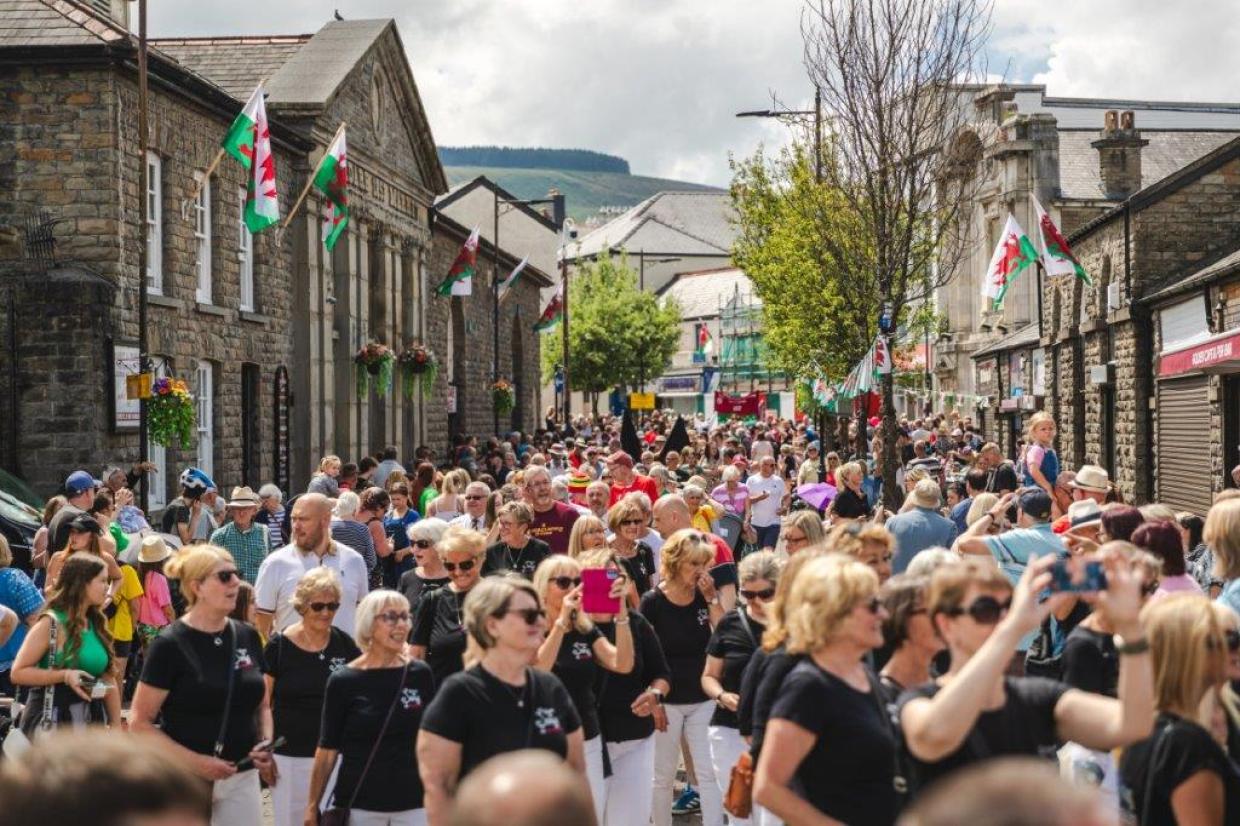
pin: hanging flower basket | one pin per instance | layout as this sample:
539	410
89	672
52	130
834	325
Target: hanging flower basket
503	397
375	363
170	413
420	361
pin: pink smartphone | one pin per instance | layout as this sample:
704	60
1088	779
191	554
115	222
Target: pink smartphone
596	591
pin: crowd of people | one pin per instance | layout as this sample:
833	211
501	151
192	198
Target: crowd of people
658	619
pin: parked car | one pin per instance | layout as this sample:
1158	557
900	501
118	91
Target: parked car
21	515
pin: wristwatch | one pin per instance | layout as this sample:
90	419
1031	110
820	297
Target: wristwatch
1125	648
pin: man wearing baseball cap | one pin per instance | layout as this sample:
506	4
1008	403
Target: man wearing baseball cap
624	480
1014	549
80	489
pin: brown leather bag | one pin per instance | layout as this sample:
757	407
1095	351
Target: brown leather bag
738	802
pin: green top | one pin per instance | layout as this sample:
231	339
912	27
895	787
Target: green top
428	494
91	657
122	541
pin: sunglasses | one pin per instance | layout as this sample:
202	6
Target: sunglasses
530	615
627	522
467	565
394	617
475	497
320	607
984	610
421	543
566	582
766	594
225	577
874	605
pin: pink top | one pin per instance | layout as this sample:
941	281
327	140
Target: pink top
154	598
1034	455
1176	585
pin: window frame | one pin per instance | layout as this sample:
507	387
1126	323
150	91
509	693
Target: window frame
154	224
204	417
202	235
245	259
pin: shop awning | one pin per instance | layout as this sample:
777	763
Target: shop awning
1019	340
1220	353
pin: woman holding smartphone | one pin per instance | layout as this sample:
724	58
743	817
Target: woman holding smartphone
577	652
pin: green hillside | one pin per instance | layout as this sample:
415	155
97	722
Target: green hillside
585	193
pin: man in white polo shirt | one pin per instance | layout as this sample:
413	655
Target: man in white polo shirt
311	547
766	498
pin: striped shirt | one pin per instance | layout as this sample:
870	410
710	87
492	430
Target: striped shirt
356	536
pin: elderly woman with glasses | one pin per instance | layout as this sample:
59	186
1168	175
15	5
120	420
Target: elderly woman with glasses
576	651
729	651
372	710
438	625
203	682
516	550
500	703
627	520
429	574
799	530
299	661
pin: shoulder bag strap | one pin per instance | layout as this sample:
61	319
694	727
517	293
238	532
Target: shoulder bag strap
48	722
748	629
898	780
361	778
218	749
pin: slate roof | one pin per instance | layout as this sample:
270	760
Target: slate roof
1227	265
699	293
1024	337
53	23
1167	152
685	222
232	63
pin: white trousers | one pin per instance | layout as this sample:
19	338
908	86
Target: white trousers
237	801
726	746
409	817
632	770
690	720
594	774
291	792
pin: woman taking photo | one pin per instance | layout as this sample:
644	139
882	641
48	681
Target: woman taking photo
799	530
628	521
1180	774
588	534
683	609
371	713
299	661
500	704
438	626
82	658
429	574
908	634
516	550
828	734
731	646
576	651
203	682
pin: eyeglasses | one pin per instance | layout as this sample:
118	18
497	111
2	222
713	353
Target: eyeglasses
766	594
467	565
225	577
530	615
628	522
422	543
320	607
984	610
394	617
473	497
566	582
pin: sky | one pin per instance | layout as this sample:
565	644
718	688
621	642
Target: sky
658	82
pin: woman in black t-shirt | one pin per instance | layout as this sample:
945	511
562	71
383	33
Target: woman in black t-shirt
966	717
1180	774
576	652
184	685
500	703
299	661
830	748
438	634
850	502
429	574
516	550
907	634
683	609
627	521
372	709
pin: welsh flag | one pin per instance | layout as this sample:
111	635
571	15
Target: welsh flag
248	139
460	277
882	356
1014	252
1056	255
706	343
507	283
552	315
332	179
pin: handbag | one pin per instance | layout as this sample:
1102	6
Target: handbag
17	742
738	800
335	815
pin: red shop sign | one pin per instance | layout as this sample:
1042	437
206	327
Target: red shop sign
1212	352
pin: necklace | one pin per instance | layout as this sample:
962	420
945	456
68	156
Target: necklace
516	692
512	566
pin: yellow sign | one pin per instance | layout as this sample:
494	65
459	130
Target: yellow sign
138	386
641	401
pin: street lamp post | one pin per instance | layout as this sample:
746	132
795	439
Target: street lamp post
816	112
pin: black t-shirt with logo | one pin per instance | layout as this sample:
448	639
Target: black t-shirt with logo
487	716
616	692
734	641
1023	725
300	681
192	666
1179	749
851	784
415	587
683	631
437	627
640	567
524	561
354	708
577	669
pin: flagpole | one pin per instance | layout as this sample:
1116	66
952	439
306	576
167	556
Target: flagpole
202	182
310	180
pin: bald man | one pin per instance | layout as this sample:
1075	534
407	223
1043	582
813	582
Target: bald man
500	793
671	514
311	546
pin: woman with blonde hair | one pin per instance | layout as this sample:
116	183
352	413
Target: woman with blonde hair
983	503
1222	537
500	703
588	534
829	735
516	550
203	682
799	530
1179	774
324	480
872	544
438	625
577	652
1039	464
850	502
448	504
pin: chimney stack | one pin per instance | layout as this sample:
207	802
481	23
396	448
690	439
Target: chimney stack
1119	155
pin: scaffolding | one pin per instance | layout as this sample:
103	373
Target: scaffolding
743	362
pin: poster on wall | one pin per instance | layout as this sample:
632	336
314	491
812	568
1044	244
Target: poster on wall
1039	373
125	410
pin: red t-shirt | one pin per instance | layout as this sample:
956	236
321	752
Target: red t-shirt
723	553
644	484
554	525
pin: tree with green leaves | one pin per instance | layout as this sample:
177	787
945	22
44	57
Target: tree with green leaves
618	335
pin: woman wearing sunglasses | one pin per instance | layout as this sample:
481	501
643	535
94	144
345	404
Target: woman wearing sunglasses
429	574
516	550
627	520
799	530
829	747
731	646
203	682
973	711
372	709
299	661
576	651
439	623
500	703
